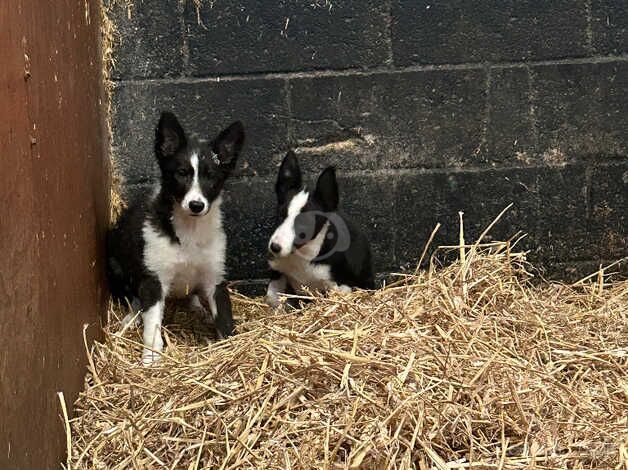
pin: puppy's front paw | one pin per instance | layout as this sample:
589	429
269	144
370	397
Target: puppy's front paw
273	300
344	289
150	357
273	294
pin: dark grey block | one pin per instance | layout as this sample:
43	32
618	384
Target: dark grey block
573	271
149	40
133	192
408	144
252	36
609	209
563	226
510	125
610	26
250	287
425	199
456	31
249	209
580	109
391	120
203	108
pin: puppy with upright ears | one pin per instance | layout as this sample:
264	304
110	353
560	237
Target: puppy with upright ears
314	245
172	242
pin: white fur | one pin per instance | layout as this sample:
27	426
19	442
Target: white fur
284	235
153	342
275	288
345	289
299	270
196	263
194	193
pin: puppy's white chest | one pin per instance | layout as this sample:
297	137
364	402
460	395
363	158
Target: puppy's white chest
196	268
197	261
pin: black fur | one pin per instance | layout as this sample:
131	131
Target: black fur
224	320
129	280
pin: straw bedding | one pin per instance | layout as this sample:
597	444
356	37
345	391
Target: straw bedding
464	366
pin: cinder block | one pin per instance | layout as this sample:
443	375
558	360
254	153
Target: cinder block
580	109
250	218
425	199
149	41
253	36
510	136
390	120
457	31
609	209
609	24
563	225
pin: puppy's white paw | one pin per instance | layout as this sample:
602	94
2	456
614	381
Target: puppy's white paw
273	300
150	357
343	288
275	288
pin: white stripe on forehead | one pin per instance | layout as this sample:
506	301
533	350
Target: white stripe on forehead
194	193
284	235
194	163
195	186
297	203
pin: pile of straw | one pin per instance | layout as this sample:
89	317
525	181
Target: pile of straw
464	366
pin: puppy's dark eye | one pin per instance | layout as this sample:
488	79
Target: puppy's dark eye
304	228
182	172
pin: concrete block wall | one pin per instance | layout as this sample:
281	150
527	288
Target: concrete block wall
427	108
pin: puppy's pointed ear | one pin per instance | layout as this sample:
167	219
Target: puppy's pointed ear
326	192
289	176
229	143
169	136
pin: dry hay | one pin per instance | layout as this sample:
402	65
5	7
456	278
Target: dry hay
109	39
464	366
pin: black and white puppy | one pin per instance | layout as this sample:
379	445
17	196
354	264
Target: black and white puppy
172	243
314	246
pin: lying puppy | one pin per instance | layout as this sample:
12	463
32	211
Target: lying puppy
314	246
172	242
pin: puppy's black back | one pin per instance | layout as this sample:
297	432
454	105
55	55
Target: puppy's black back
354	266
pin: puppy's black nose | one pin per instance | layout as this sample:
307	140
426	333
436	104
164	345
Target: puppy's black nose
196	206
275	248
